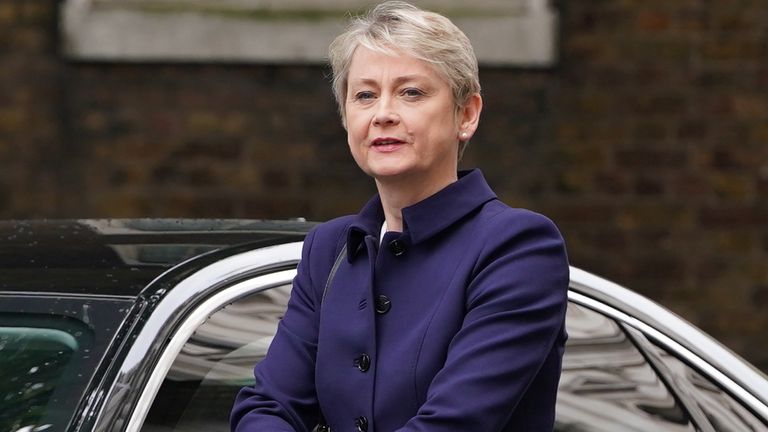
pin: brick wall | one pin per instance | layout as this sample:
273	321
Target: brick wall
659	117
648	145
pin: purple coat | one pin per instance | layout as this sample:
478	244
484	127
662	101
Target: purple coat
455	324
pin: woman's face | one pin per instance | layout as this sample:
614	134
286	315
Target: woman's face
401	120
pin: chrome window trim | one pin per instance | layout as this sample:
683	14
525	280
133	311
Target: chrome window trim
114	410
191	323
682	391
688	356
591	291
680	330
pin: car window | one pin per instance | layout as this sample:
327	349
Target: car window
34	362
50	348
724	412
608	385
217	360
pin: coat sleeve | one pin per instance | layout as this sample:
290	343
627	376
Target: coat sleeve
283	398
512	332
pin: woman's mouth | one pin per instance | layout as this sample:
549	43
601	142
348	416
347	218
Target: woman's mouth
386	145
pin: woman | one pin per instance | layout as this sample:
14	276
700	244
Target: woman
437	307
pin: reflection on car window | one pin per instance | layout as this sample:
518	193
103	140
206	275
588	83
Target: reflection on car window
39	367
217	360
725	413
607	384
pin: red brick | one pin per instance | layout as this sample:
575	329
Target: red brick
762	183
210	148
653	20
650	158
729	50
666	268
8	14
656	129
752	106
35	12
692	130
586	19
573	181
687	186
734	217
30	41
732	158
733	187
760	296
672	51
611	183
639	215
649	186
581	213
733	18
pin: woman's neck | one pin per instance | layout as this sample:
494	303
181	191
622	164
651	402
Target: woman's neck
396	195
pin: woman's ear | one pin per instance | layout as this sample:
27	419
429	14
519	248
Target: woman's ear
469	116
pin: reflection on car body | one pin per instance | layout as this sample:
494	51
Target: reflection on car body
154	326
607	384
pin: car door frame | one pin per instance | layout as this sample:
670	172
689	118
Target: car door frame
176	313
179	311
641	319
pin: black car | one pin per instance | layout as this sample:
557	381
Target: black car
153	325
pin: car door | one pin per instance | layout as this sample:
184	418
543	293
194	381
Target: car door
612	379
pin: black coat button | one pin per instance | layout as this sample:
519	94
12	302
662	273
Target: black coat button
363	363
383	304
397	247
361	423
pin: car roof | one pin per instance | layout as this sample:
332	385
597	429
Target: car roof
120	257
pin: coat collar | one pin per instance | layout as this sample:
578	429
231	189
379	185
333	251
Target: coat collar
427	217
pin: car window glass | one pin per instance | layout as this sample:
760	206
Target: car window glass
607	384
724	412
49	350
33	362
216	361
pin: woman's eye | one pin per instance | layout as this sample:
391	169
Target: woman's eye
364	95
412	92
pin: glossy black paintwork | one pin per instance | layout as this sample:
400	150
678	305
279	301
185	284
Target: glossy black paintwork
94	263
118	257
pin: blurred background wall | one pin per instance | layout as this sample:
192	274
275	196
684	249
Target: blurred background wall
647	143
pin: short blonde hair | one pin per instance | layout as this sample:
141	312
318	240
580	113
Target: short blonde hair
397	27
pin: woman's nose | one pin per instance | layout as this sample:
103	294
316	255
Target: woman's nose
385	113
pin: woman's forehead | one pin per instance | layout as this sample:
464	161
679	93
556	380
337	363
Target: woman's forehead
370	65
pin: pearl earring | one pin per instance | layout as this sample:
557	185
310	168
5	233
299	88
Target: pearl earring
464	135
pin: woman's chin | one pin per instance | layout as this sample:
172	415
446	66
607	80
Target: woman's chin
388	173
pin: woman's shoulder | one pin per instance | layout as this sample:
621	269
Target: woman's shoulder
496	215
335	226
330	234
